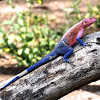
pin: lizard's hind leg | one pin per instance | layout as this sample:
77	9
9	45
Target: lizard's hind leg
65	50
67	54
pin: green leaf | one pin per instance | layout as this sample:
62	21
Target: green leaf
6	22
18	38
35	49
27	50
20	51
11	38
21	22
1	34
30	56
1	51
39	58
39	1
23	29
2	42
9	1
24	62
6	49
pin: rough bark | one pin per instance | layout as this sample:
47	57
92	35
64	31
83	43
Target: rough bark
58	78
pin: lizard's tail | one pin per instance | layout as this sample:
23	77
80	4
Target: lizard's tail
53	54
44	60
14	79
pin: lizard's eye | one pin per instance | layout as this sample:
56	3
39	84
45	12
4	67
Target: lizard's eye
90	18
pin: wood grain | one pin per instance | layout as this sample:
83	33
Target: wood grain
58	78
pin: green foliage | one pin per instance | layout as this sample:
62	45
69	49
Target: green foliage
29	1
10	3
74	15
29	38
32	1
94	11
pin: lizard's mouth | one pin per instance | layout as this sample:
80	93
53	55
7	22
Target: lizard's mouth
94	20
91	21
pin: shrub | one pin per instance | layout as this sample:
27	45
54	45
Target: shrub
29	37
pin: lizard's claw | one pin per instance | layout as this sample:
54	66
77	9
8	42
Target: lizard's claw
67	60
87	45
72	65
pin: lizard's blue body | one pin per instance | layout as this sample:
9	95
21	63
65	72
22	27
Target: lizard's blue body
64	47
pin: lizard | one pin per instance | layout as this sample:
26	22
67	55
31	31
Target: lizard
64	47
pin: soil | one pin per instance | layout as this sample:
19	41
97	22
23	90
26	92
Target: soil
55	9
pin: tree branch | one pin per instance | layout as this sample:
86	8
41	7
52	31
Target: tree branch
58	78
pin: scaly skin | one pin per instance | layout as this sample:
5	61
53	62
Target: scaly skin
64	46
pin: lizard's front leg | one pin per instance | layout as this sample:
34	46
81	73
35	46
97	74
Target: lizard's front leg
80	41
79	35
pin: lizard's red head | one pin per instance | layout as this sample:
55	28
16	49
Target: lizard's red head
88	21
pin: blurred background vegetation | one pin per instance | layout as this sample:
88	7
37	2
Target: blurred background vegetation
31	36
29	29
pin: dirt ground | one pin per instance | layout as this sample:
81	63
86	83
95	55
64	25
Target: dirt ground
55	9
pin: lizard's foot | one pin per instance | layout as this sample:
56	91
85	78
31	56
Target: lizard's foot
72	65
88	45
67	60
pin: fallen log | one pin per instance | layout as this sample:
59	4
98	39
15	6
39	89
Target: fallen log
58	78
